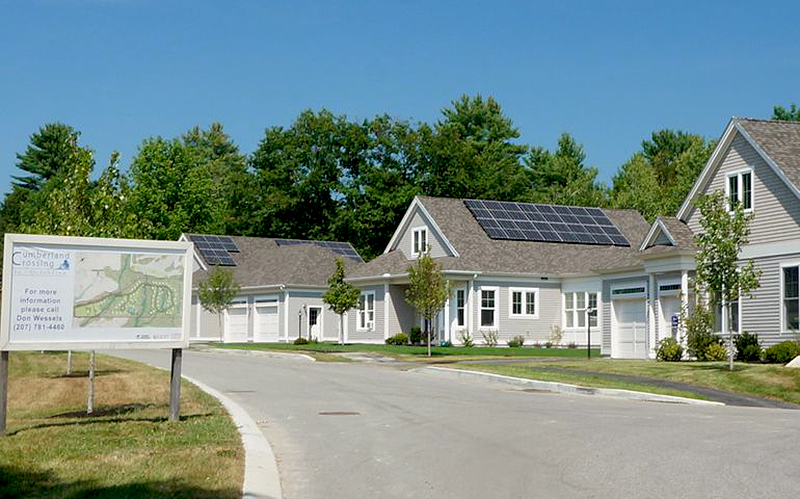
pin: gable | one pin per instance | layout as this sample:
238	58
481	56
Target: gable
416	218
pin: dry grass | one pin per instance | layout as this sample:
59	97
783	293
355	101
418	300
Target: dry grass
126	448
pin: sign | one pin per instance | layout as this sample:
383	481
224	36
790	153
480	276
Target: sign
675	320
94	293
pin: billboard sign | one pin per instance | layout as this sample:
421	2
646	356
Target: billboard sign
94	293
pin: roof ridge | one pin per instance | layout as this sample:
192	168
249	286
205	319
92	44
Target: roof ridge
765	120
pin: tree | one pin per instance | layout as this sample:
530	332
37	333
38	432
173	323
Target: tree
783	114
720	242
216	293
427	291
561	177
48	154
340	296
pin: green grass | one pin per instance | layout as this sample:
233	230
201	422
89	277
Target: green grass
761	380
127	448
412	352
577	379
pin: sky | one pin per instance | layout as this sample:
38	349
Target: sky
609	73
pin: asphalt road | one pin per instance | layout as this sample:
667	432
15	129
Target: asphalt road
361	430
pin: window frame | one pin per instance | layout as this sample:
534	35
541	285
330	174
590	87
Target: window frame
461	321
523	303
363	323
784	329
416	239
494	309
576	313
740	191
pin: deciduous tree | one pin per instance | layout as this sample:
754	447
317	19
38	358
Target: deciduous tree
427	291
340	296
217	291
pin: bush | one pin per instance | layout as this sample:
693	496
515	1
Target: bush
416	336
446	343
782	352
556	335
669	350
699	335
516	341
490	338
466	338
747	347
398	339
301	341
715	351
572	345
548	344
537	345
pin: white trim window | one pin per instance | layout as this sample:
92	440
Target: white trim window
461	307
791	298
366	311
523	303
592	299
576	309
488	315
569	310
419	241
739	189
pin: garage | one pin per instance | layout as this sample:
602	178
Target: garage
265	322
630	323
236	323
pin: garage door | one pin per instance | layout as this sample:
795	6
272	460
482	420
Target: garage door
631	329
236	325
266	323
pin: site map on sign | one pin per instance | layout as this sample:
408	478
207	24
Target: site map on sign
128	290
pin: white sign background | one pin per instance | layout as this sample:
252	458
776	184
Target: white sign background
45	278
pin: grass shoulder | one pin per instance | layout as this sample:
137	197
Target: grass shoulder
126	448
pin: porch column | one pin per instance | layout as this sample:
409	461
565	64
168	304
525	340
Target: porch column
386	299
684	306
286	316
652	335
470	307
447	317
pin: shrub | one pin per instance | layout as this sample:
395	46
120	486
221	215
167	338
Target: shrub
572	345
537	345
699	334
398	339
446	343
669	350
516	341
466	338
782	352
301	341
556	335
748	349
548	344
490	338
416	336
715	351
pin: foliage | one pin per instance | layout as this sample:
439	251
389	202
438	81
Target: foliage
572	344
489	337
415	336
748	349
340	296
446	344
556	335
516	341
465	337
537	344
782	353
548	344
669	350
397	339
784	114
699	330
217	291
716	352
300	340
50	152
427	290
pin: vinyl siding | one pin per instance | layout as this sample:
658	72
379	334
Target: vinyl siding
401	314
534	330
776	208
354	335
761	314
438	247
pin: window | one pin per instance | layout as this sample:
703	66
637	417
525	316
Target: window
592	310
461	296
734	318
524	302
740	189
791	321
579	308
366	310
419	242
488	308
569	309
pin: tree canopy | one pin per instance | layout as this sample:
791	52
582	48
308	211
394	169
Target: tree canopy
783	114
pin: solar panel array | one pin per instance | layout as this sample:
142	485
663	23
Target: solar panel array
215	250
543	222
344	249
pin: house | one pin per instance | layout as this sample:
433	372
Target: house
525	269
281	285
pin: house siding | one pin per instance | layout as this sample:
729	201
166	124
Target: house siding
401	314
533	330
437	244
761	314
776	209
354	335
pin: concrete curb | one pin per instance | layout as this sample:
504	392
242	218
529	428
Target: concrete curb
260	353
261	477
553	386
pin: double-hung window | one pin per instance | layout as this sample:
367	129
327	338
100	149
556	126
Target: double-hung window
419	242
580	307
740	189
488	307
366	310
524	303
461	303
569	309
791	295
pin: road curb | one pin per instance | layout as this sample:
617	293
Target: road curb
260	353
553	386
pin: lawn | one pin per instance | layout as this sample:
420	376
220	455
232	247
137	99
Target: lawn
412	352
770	381
127	448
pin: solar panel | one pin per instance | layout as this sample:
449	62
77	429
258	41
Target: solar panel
215	249
340	248
546	223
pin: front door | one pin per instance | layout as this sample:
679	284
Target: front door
314	319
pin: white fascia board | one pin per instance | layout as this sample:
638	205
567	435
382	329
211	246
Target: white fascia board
777	169
416	203
651	236
185	238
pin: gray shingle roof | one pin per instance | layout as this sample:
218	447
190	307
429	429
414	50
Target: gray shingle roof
477	252
780	140
261	262
684	238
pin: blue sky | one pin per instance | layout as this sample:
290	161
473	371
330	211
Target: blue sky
610	73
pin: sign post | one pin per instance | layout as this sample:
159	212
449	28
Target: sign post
82	293
175	385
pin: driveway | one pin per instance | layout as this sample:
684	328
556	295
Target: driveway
358	430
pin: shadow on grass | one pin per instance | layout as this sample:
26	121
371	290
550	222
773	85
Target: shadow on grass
94	419
113	410
17	482
85	374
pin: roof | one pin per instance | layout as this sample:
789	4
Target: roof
262	262
479	253
679	233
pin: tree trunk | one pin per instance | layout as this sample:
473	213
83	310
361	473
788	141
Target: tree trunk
90	401
341	329
428	334
729	312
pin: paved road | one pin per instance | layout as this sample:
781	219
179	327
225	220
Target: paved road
416	434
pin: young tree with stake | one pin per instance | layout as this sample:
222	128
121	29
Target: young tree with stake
341	296
217	292
427	291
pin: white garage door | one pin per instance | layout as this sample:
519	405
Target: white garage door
266	323
236	325
631	329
